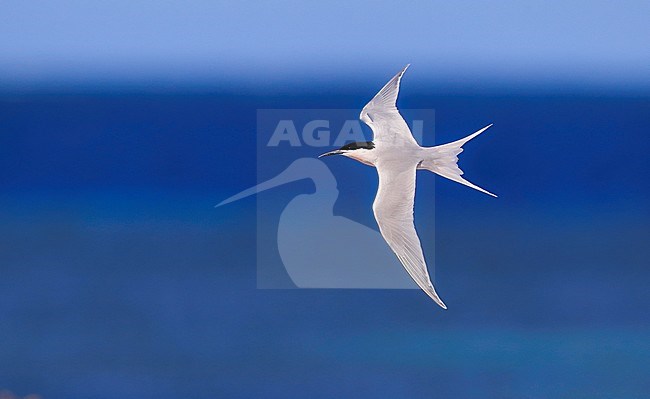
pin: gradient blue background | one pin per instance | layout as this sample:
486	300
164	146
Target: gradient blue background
123	123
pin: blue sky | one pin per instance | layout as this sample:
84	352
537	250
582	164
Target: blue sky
460	42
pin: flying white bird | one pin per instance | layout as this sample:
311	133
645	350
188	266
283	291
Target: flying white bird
396	156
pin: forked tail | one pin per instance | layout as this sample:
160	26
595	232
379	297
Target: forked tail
443	160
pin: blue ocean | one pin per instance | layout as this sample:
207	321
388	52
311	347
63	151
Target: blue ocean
119	278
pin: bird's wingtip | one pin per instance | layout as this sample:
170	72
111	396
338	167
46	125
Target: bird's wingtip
433	295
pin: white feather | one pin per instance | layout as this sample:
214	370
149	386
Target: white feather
393	209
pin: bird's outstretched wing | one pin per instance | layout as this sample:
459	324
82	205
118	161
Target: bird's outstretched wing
393	208
382	116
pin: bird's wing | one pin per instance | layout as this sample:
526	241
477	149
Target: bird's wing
393	208
382	116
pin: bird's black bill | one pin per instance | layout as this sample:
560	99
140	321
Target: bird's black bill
327	154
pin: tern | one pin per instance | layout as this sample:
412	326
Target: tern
397	156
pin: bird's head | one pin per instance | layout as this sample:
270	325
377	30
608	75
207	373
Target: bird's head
362	151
